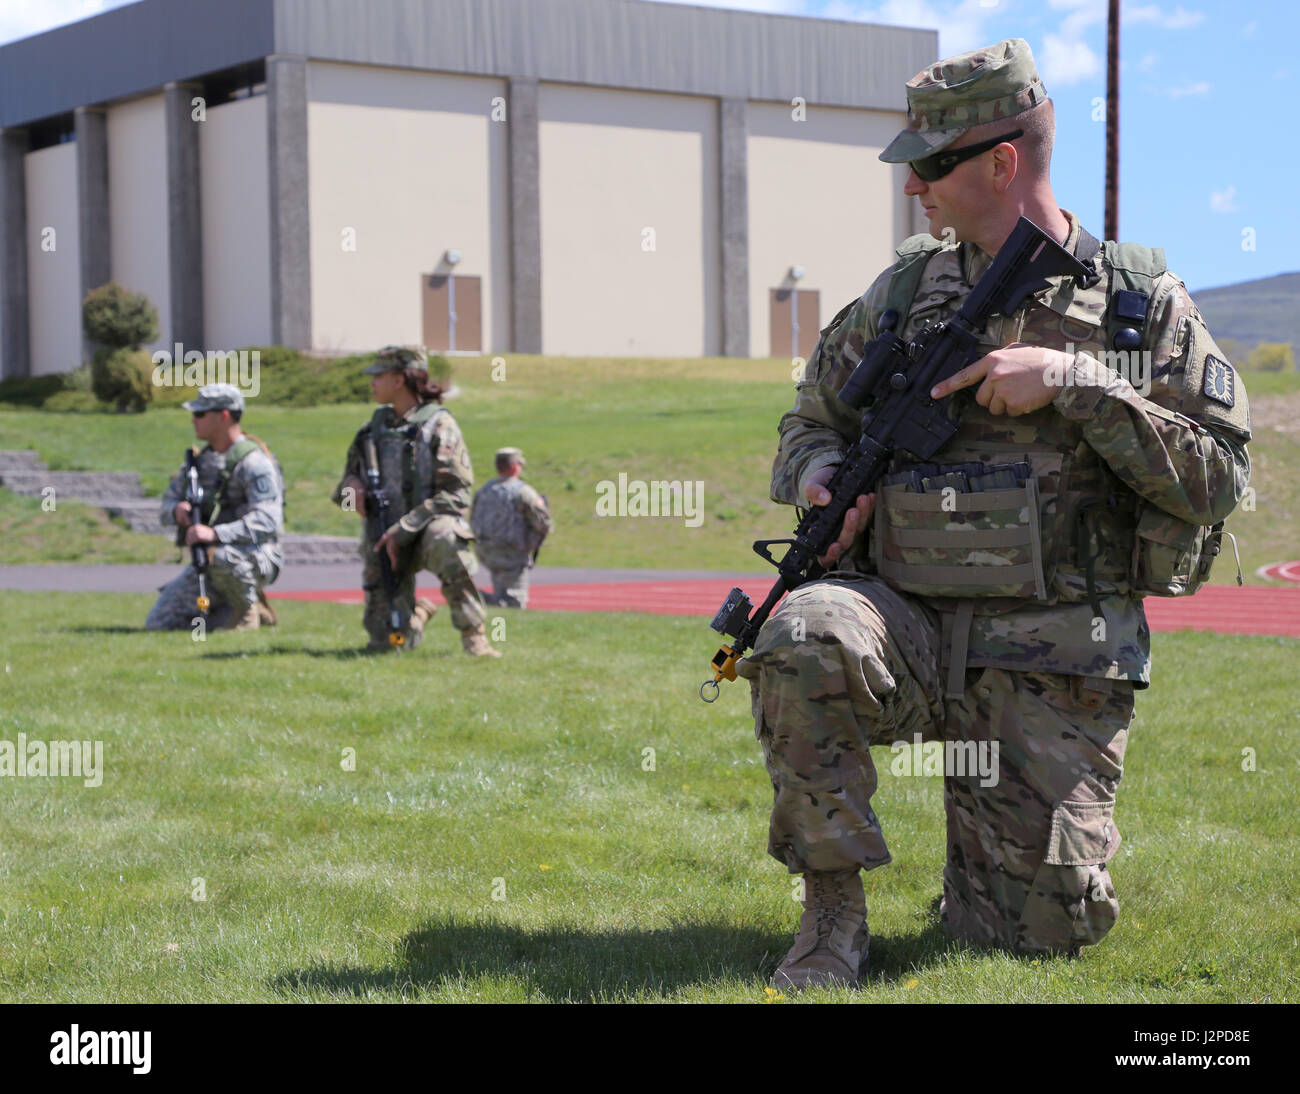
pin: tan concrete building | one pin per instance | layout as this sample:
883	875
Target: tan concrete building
595	177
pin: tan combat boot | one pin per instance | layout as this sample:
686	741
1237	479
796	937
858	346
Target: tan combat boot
424	611
476	643
831	947
249	621
266	613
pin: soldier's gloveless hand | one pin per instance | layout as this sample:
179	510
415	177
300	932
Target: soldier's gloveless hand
182	514
855	520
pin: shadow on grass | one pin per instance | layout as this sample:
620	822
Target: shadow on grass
334	653
576	965
118	629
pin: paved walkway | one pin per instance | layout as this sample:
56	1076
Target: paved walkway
1226	609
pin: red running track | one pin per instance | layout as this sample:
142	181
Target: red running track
1283	571
1225	609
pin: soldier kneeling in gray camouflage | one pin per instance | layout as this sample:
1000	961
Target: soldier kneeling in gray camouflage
241	477
510	519
998	597
426	476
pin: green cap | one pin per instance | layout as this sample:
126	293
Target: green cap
216	397
951	96
391	357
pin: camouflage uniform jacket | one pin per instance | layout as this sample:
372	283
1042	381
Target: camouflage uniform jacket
1178	448
424	466
510	519
250	510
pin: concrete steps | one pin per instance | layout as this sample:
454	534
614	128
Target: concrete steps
120	494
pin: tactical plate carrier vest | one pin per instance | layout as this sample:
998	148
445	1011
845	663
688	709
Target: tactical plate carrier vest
1023	508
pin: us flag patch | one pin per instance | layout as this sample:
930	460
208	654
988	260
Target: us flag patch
1220	381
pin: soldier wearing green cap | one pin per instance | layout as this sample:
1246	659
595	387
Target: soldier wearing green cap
242	479
1105	411
426	476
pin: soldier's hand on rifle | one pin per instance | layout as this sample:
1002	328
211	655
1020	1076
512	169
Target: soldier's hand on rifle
200	533
358	489
182	514
1017	379
388	543
855	520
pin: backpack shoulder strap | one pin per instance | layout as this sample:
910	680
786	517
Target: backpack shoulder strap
241	448
1134	271
913	254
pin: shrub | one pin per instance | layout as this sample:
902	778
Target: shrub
30	390
114	318
72	400
123	377
1272	357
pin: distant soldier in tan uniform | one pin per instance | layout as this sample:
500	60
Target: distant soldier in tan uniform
1012	616
510	519
426	477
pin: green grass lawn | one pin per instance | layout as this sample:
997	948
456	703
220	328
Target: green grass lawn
580	422
224	761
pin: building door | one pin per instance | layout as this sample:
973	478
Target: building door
795	316
453	312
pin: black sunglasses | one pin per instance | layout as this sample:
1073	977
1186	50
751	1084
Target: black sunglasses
938	165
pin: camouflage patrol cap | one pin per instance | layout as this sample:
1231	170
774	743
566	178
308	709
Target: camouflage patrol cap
391	357
951	96
216	397
510	454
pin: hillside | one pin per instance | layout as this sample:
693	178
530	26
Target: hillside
1264	310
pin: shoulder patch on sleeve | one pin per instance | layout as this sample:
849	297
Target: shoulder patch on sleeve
1220	381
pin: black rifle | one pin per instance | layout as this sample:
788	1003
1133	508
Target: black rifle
200	513
377	516
537	541
894	379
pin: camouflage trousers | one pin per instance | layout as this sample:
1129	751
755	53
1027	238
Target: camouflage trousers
441	551
235	574
848	663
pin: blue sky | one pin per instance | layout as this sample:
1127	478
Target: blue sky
1208	134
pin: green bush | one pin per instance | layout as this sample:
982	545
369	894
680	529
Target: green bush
123	377
287	378
1272	357
114	318
290	378
30	390
73	400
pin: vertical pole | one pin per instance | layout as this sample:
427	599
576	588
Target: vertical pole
451	313
794	322
1112	121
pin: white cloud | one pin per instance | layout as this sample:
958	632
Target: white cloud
23	18
1063	62
1182	91
1224	201
1178	19
961	23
